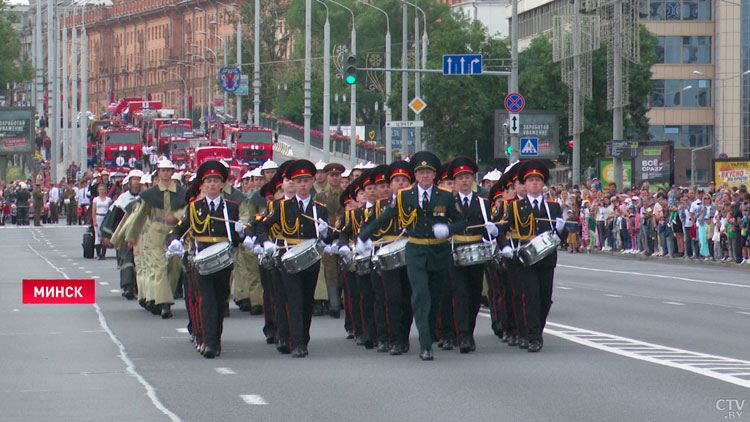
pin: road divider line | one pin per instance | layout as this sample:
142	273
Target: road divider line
224	371
253	399
103	283
564	288
611	295
718	283
182	330
114	291
743	313
129	365
673	303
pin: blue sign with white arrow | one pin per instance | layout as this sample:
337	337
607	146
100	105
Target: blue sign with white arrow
462	64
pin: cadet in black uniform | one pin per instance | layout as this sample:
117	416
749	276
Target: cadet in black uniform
204	219
300	286
525	219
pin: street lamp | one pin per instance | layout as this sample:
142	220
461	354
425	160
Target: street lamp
353	103
417	75
209	77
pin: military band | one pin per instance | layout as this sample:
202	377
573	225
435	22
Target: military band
414	241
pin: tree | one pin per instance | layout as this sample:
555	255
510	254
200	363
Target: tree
11	69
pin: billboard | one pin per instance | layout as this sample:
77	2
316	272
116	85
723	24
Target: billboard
543	126
607	172
731	172
16	130
653	164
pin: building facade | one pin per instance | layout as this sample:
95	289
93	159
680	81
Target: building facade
491	13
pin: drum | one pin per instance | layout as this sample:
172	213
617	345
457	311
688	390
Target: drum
268	261
302	256
392	255
215	258
347	264
362	264
472	253
538	248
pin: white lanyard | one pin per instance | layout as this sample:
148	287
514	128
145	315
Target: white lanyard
315	216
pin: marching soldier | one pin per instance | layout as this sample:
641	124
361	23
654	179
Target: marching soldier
330	198
122	207
295	217
383	193
430	215
211	220
467	280
525	219
446	318
71	204
247	291
353	220
160	206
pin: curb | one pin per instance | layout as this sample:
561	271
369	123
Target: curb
641	257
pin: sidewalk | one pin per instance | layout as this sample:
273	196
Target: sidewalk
642	257
293	149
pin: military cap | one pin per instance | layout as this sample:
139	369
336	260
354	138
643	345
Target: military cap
301	168
366	177
379	174
424	160
444	173
334	168
399	168
462	164
533	168
212	168
496	191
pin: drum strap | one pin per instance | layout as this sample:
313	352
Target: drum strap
226	219
315	216
484	215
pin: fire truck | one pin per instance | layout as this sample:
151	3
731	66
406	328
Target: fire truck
251	144
120	146
180	147
92	139
203	154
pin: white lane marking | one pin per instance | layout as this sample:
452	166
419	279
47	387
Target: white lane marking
95	276
130	366
103	283
16	310
63	255
70	260
88	271
564	288
611	295
114	291
674	303
253	399
743	313
182	330
744	286
225	371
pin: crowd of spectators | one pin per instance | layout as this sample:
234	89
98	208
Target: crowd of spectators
705	223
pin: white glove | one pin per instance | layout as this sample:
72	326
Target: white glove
508	252
322	228
248	242
559	224
332	249
491	228
239	228
175	248
363	248
258	250
344	251
269	247
441	231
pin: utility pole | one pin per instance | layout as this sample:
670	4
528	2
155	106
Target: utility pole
74	94
514	141
239	60
53	106
256	65
618	103
308	71
417	78
226	94
38	58
353	104
326	88
577	117
404	79
83	121
67	154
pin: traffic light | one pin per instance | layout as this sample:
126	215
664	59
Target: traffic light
570	143
350	69
509	150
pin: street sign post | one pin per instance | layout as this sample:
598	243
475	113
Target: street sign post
405	123
230	78
514	123
462	64
514	102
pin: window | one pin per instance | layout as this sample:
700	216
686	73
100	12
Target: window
696	10
687	136
660	10
696	50
681	93
673	9
657	11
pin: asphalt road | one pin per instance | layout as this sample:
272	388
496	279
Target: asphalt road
626	341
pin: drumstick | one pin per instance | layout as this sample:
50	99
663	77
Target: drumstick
310	218
476	226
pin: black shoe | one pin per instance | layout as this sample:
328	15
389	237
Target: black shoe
226	312
210	352
129	293
448	344
535	346
154	308
166	311
523	343
360	341
395	349
505	338
334	313
382	346
349	335
244	305
270	339
299	352
283	347
192	338
318	309
256	310
513	341
405	347
426	354
142	302
465	346
369	344
473	345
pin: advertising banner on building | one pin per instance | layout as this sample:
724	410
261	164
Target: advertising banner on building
653	164
607	172
731	172
16	131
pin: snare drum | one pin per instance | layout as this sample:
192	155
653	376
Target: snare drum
302	256
267	261
472	253
362	264
392	255
538	248
215	258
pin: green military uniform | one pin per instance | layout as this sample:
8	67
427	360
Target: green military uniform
245	275
72	207
38	199
428	258
158	202
328	279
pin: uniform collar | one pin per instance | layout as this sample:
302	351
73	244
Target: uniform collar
539	198
216	201
470	195
172	186
305	201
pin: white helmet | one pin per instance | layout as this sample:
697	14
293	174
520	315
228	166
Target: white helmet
369	165
320	165
247	175
164	163
177	176
269	165
146	178
22	185
346	173
256	172
133	173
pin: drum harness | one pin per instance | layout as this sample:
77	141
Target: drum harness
530	224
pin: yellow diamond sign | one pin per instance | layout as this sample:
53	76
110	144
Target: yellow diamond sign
417	105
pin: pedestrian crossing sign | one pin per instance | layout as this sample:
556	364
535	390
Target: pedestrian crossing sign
529	147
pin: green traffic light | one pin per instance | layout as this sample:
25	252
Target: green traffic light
351	79
509	150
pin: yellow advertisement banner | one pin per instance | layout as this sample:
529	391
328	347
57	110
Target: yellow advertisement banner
732	173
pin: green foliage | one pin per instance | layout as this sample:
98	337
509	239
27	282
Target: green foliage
10	49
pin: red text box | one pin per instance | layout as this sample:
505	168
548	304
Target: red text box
59	291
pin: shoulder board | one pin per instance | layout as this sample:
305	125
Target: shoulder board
196	200
552	201
445	189
404	189
320	203
230	201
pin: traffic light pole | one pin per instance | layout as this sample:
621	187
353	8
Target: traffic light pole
513	82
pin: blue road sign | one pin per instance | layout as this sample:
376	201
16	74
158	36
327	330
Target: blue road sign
230	78
514	102
462	64
529	147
